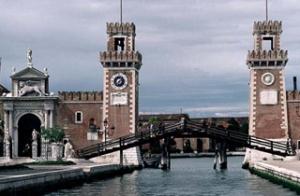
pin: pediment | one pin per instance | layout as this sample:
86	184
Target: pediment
29	73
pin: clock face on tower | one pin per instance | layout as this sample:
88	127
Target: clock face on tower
119	81
268	78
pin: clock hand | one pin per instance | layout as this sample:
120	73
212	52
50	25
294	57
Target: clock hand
119	81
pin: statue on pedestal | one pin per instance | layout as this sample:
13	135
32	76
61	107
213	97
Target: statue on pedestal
69	151
34	135
29	57
34	146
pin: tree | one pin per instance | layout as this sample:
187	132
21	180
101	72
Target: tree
245	128
55	134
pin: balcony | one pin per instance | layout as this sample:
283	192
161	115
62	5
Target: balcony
264	58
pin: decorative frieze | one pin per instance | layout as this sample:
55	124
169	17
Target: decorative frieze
267	27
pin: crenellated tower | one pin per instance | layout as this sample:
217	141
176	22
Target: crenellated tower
121	63
268	108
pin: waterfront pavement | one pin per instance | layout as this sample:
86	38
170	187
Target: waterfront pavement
286	172
15	177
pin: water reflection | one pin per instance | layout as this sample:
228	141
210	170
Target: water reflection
188	177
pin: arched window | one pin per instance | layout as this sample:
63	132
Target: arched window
78	117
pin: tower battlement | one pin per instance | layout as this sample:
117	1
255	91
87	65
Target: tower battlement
80	96
267	27
293	95
120	28
262	58
121	59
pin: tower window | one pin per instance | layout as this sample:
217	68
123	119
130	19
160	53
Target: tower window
119	44
268	43
78	117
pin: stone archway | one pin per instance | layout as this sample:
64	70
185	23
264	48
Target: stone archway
26	124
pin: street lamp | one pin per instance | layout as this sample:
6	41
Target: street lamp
105	123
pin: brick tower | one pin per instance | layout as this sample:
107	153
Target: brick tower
268	106
268	109
121	65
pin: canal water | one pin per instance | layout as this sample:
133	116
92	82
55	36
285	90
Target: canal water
187	177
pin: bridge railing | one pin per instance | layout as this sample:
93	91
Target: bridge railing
185	126
253	141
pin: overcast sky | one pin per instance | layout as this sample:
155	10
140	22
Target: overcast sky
194	51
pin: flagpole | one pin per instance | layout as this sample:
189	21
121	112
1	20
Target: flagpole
121	11
266	10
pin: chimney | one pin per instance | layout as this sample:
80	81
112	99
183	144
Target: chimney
295	83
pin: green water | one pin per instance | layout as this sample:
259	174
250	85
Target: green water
188	177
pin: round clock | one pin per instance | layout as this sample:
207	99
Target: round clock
268	78
119	81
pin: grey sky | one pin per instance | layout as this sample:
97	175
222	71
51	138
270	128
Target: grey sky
194	51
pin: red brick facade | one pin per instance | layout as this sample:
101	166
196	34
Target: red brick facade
293	104
119	116
270	119
90	104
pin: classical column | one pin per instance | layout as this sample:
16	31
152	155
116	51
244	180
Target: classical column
6	136
46	119
51	119
34	144
14	143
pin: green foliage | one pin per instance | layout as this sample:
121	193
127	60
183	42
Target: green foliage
153	120
54	134
245	128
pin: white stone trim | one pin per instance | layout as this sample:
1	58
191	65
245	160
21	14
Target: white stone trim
252	100
75	116
284	103
18	116
133	103
105	95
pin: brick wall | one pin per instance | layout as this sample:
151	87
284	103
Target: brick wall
268	120
293	105
90	104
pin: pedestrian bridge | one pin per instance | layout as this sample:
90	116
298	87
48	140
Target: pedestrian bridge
186	128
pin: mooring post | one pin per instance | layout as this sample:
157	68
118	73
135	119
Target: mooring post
165	161
216	154
168	154
121	152
223	155
271	145
220	155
